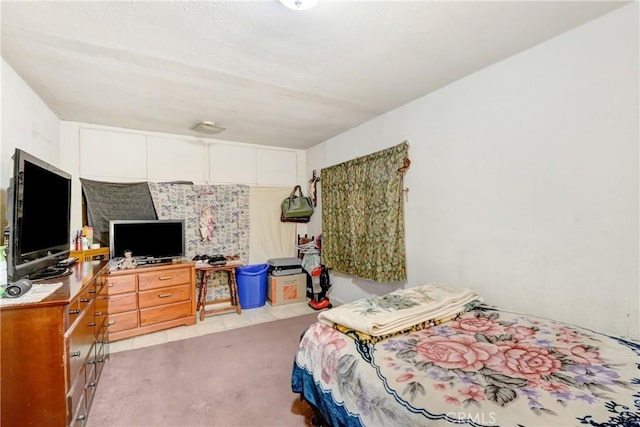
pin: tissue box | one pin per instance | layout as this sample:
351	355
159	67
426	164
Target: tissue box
287	289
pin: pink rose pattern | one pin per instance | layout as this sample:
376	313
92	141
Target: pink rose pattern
323	346
457	351
482	358
523	360
474	325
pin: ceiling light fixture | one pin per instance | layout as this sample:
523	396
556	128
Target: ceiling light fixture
299	4
208	127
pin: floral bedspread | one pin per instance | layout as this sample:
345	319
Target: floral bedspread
488	367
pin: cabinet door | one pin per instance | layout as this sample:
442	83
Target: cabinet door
161	156
116	155
232	164
276	167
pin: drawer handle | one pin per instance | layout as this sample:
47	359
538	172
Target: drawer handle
110	285
75	354
91	362
81	417
165	277
92	291
113	322
76	311
164	295
85	299
91	324
98	313
91	384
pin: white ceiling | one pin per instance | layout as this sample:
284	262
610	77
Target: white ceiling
268	74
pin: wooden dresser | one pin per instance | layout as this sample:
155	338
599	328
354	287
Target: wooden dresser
53	351
148	299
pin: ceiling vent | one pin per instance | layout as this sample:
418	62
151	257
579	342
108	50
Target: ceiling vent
208	128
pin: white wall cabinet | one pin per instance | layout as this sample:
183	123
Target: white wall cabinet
113	154
232	164
171	159
274	167
121	155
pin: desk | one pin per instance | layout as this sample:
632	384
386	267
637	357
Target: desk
206	270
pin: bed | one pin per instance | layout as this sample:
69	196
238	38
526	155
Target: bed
480	366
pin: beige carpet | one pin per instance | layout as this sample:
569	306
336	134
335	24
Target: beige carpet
240	377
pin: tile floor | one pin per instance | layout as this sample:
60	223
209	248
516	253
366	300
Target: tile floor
214	323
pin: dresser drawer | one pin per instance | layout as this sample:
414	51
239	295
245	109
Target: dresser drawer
121	284
102	355
102	335
76	401
122	321
90	385
79	417
162	296
149	316
80	341
90	370
73	310
86	297
79	304
101	311
163	278
121	303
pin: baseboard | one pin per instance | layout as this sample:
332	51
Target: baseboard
335	301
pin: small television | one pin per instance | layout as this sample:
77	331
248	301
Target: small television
159	240
39	217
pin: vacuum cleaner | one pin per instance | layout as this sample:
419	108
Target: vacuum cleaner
320	285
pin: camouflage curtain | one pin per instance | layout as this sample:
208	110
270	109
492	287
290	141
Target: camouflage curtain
363	216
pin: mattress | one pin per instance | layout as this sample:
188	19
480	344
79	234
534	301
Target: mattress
488	367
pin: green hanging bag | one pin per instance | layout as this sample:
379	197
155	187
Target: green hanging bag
297	205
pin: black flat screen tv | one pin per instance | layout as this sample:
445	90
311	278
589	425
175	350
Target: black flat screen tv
39	218
153	239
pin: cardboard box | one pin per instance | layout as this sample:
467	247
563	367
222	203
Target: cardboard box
287	289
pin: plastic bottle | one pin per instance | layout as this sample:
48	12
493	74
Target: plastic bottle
3	270
78	242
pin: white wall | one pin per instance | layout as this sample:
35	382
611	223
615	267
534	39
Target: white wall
524	179
27	123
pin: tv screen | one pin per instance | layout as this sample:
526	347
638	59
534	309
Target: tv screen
147	238
39	213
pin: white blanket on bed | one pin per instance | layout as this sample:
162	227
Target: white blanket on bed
400	309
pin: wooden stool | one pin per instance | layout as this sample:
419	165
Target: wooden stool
206	271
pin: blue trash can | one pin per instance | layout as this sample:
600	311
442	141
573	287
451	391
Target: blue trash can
252	285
